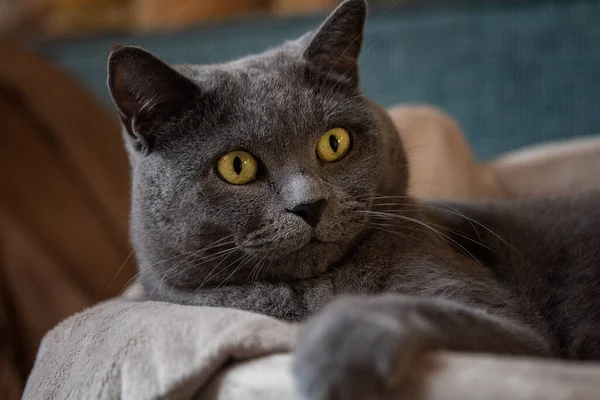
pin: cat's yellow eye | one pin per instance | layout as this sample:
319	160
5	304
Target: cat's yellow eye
333	145
237	167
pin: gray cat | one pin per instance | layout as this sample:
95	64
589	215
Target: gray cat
271	184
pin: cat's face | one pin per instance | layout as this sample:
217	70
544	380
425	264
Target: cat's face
252	169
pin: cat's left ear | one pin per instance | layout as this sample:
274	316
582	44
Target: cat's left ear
335	46
147	92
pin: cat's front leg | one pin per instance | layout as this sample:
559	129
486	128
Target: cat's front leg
362	347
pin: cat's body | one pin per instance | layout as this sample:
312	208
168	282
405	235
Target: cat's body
547	251
272	185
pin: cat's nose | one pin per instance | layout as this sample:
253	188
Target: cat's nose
310	212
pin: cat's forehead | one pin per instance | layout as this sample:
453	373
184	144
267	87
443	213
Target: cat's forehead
272	70
266	89
265	96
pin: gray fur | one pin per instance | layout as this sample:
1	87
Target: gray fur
412	276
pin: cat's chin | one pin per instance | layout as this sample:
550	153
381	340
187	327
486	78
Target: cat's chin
313	258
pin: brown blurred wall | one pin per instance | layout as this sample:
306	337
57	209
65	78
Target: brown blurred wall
64	200
79	17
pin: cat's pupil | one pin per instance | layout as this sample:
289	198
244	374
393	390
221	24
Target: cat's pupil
333	142
237	165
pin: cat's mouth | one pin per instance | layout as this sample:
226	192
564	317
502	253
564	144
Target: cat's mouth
293	259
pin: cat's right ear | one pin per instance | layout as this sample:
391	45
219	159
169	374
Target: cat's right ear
146	92
335	46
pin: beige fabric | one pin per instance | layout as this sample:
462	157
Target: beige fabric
574	166
144	350
439	376
148	350
442	164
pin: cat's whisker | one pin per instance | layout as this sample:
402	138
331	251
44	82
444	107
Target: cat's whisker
381	196
174	267
212	272
425	225
398	233
195	252
252	270
225	256
212	257
382	216
202	253
404	237
473	221
193	260
257	274
120	269
142	270
454	232
443	207
469	220
209	257
383	227
247	258
267	268
126	285
187	255
454	211
389	215
253	276
156	273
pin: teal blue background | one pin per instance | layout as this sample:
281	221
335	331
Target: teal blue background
513	73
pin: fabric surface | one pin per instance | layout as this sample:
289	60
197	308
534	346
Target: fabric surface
574	166
146	350
437	376
512	72
149	350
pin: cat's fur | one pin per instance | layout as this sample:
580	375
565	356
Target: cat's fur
416	276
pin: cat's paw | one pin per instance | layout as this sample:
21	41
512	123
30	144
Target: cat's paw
354	350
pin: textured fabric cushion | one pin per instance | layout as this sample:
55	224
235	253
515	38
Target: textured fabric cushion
512	72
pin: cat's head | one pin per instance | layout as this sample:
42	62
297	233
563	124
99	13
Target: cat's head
256	167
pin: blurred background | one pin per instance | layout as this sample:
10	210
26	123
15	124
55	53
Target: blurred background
513	72
80	17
